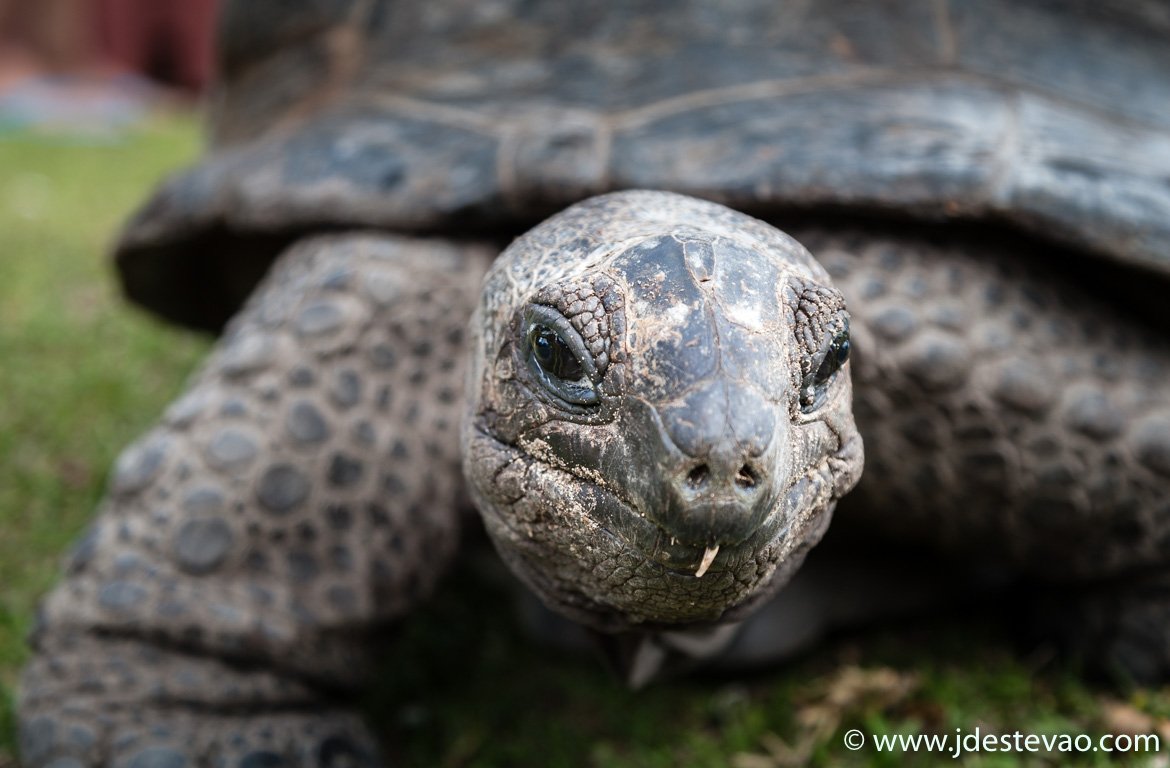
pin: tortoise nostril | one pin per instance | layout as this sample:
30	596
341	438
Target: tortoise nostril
747	477
697	477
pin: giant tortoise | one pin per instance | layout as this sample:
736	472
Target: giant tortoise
662	397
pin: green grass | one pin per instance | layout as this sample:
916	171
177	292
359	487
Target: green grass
81	374
466	689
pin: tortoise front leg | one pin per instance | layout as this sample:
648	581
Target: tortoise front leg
1009	416
1016	420
304	491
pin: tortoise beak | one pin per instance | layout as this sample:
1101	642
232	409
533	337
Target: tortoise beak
718	465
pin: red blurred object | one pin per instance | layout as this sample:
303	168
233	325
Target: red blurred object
167	41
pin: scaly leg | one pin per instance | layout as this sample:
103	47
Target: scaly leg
1012	418
303	492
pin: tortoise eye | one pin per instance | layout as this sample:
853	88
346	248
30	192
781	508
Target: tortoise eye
558	358
553	355
835	357
836	354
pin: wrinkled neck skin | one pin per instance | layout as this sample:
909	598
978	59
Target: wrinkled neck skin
656	431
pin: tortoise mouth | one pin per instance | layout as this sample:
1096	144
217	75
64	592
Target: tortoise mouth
591	554
790	509
631	526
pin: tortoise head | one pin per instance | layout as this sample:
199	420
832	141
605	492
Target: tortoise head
660	417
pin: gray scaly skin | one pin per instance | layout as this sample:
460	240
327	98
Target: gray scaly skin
1008	415
1013	418
300	495
306	489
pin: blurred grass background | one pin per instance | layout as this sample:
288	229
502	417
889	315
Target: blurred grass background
81	374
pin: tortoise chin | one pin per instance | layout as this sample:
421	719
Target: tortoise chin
593	556
659	418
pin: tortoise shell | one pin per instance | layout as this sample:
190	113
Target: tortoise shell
477	117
